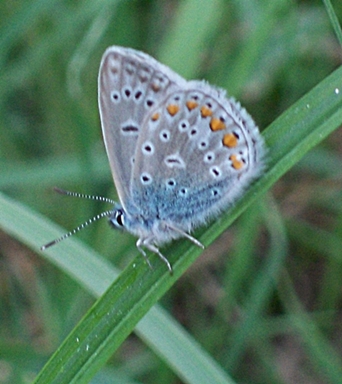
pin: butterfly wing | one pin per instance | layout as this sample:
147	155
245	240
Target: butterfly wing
196	153
130	83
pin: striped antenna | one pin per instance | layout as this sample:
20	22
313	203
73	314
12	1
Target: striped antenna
83	196
85	224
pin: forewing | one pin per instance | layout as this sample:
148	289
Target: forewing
130	84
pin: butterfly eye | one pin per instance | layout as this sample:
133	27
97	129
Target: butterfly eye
118	219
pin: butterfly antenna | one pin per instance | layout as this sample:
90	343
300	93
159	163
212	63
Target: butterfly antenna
83	196
85	224
77	229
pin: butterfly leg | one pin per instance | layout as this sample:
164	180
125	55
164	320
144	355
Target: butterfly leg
147	243
139	244
184	234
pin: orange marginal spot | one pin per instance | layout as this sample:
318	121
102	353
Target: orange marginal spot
237	164
229	140
155	116
216	124
155	87
191	104
172	109
205	111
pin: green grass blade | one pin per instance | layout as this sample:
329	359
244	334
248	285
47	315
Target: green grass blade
263	285
184	54
334	20
326	358
95	274
65	169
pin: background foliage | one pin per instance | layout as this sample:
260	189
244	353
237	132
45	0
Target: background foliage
264	300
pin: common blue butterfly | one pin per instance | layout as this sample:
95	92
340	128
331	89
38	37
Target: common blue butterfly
180	151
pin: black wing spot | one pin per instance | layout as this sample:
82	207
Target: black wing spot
130	128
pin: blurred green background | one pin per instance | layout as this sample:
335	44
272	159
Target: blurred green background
268	54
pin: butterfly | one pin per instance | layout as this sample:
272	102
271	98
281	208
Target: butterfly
180	151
